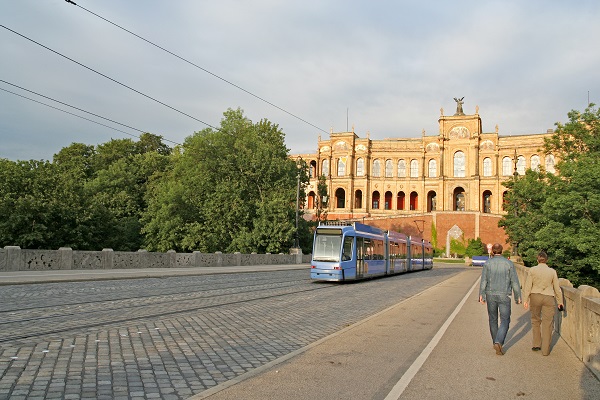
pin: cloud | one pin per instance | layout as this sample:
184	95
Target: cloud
384	67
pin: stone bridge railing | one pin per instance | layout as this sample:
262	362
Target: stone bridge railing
13	258
579	323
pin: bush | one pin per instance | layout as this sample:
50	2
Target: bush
475	247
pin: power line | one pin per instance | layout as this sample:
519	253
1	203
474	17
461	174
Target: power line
197	66
76	108
68	105
67	112
108	77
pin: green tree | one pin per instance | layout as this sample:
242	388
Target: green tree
561	214
121	189
524	215
40	207
475	247
458	246
232	189
434	236
322	198
86	198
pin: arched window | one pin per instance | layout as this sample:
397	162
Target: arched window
550	163
506	166
311	200
313	169
535	162
414	168
431	201
325	168
340	196
487	202
389	168
401	169
341	168
459	199
360	167
459	164
358	199
375	200
376	168
400	201
414	201
388	201
432	169
521	165
487	166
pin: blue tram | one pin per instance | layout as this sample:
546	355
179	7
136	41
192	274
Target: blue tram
344	251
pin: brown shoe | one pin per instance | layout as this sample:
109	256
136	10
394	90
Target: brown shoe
499	350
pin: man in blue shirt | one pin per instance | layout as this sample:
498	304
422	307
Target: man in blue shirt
498	279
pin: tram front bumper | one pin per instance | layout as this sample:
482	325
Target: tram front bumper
335	275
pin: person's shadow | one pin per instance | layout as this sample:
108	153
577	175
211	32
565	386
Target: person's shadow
523	327
520	330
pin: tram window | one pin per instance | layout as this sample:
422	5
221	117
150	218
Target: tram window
360	248
378	250
368	249
347	250
394	250
327	248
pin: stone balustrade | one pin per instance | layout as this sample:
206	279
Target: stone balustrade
13	258
579	323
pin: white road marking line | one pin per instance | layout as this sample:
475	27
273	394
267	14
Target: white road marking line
410	373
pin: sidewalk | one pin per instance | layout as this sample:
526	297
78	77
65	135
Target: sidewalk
367	359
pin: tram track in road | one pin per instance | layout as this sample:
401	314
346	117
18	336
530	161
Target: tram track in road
205	293
58	295
84	320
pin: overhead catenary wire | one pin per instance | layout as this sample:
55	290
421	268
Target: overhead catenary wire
82	117
78	116
197	66
108	77
76	108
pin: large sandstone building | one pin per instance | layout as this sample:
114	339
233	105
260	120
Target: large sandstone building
438	187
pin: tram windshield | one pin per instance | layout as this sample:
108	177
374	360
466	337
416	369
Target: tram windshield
327	247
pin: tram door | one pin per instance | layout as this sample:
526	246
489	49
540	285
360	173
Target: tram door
360	257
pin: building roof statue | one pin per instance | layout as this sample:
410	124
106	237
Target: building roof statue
459	108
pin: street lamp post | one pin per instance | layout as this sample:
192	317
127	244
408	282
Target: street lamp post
514	250
297	239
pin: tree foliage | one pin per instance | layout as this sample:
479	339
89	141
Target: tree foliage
458	246
561	214
322	199
231	189
475	247
88	197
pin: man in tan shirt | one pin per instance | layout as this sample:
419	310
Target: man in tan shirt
542	292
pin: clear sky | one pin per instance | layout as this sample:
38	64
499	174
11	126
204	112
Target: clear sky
384	67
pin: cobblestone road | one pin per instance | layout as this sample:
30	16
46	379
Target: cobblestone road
171	338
